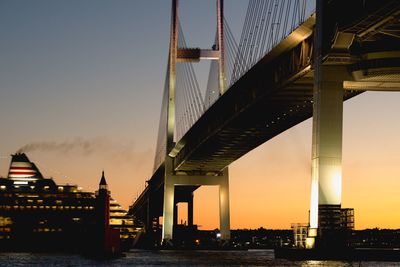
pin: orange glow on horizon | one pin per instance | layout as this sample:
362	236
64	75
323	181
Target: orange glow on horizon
270	186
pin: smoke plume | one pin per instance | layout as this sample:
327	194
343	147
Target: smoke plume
84	147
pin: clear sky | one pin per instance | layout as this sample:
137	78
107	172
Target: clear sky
84	78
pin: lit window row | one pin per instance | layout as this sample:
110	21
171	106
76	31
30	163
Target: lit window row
40	201
8	207
47	230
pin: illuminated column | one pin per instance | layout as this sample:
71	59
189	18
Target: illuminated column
224	218
221	46
173	51
169	204
168	209
326	180
326	185
168	214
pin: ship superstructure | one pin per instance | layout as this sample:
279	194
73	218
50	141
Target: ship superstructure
37	213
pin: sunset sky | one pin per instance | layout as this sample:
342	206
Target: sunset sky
81	86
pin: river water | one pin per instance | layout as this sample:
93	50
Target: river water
173	258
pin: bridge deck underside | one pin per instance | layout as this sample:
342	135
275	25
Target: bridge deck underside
252	126
271	97
264	120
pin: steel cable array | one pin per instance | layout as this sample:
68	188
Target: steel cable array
266	23
161	148
189	105
231	55
189	101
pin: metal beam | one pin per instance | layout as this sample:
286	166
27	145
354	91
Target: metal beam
221	46
372	86
197	54
173	51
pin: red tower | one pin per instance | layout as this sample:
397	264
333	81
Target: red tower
109	239
103	202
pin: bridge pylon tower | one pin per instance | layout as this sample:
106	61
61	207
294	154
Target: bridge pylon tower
327	130
172	177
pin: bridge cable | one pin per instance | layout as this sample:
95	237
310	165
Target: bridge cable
161	146
191	105
238	61
266	23
243	39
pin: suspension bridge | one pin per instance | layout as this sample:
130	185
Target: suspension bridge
287	66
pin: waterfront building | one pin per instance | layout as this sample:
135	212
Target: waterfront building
300	231
338	221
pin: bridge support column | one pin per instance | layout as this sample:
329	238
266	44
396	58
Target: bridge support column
224	216
169	201
326	184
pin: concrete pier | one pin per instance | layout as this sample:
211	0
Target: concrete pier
172	180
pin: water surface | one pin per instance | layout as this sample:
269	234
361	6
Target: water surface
174	258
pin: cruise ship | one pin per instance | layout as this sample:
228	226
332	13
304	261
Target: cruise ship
37	214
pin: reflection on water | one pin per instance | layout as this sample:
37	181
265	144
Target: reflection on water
174	258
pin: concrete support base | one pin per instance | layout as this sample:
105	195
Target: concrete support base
172	180
329	217
330	233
